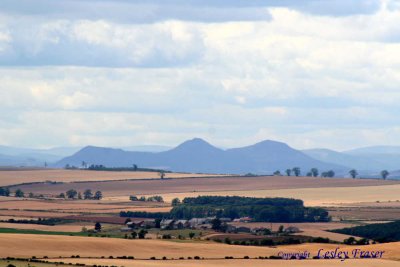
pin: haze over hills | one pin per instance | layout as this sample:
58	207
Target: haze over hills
15	156
197	155
367	160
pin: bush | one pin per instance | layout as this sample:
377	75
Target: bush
196	257
275	257
246	257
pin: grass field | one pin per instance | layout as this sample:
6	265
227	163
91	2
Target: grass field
12	177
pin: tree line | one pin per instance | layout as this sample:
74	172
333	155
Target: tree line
258	209
149	199
314	172
87	194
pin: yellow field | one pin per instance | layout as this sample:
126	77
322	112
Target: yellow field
237	263
51	228
59	175
324	196
17	245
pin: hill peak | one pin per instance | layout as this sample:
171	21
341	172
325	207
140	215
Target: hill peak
197	144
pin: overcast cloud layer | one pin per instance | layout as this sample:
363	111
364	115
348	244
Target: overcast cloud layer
312	73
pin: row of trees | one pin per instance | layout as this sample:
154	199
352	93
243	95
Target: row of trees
314	172
143	198
100	167
6	192
87	194
384	174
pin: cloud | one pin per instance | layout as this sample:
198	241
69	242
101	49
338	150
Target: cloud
300	75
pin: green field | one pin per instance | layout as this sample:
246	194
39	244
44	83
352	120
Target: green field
37	232
17	263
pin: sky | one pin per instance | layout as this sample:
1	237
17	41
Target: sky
316	73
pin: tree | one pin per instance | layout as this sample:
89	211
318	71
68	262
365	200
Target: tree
97	227
349	241
353	173
31	195
19	193
331	173
277	173
79	195
216	224
142	234
87	194
155	199
133	198
267	232
281	228
288	172
71	194
134	235
176	201
384	174
98	195
296	171
134	166
4	191
84	165
309	174
62	195
314	172
162	174
158	223
191	235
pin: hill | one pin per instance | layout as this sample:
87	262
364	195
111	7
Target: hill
358	162
199	156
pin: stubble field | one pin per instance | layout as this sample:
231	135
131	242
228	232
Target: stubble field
12	177
54	246
314	191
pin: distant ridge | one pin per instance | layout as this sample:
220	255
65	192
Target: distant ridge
197	155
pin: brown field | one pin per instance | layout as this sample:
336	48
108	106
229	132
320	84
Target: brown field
323	196
78	206
12	177
365	213
307	229
236	263
314	191
19	245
